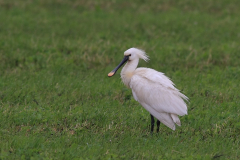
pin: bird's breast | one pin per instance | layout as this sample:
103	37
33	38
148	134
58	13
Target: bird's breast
126	78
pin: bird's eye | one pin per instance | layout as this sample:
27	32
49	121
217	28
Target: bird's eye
129	54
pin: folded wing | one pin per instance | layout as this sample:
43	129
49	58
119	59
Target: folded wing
157	94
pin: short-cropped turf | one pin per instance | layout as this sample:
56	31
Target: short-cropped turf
57	102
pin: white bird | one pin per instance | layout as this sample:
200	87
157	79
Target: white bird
152	89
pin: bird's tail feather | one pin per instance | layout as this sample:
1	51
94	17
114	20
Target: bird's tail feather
176	119
166	119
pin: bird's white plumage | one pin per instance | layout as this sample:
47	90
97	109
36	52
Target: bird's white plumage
140	53
153	90
158	95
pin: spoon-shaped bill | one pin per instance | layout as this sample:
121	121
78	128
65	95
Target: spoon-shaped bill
125	59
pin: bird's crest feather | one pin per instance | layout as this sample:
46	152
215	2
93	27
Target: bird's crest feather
141	53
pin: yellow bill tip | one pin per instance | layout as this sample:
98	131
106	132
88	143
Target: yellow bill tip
110	74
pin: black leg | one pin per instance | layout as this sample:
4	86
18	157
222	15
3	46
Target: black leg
152	123
158	124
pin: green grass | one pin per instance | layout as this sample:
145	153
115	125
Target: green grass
56	101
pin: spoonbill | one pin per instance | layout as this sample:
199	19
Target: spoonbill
152	89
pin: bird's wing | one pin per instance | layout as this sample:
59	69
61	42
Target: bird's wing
155	76
157	91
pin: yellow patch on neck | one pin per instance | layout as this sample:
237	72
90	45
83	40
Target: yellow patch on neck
129	74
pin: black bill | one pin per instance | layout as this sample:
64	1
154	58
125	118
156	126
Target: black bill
125	59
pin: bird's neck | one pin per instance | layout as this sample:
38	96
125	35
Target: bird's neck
127	71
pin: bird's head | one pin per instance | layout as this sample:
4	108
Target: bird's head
130	55
135	53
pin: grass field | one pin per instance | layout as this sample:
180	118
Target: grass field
56	101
